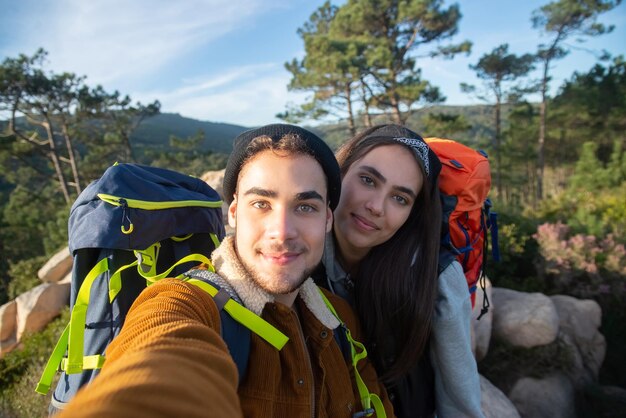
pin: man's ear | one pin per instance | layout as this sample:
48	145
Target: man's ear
232	213
329	219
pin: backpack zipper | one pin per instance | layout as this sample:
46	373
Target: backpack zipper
148	205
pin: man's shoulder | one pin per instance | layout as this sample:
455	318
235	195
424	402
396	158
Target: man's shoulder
343	308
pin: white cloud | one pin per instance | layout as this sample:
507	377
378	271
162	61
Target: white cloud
116	41
247	96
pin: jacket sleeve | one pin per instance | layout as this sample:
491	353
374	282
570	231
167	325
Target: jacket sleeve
366	368
168	361
457	384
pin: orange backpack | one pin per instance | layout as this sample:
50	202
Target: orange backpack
464	184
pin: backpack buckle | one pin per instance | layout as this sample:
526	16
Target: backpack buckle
147	259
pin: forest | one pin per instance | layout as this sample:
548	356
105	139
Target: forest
558	163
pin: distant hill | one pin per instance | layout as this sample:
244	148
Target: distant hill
155	132
479	117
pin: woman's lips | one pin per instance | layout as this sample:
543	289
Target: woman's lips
364	224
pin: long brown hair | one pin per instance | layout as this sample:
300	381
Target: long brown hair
396	283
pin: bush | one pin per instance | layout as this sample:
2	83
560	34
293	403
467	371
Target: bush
518	253
23	275
21	369
581	265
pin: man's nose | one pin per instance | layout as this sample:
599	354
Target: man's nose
282	224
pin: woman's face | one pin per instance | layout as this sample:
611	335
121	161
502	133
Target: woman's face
377	195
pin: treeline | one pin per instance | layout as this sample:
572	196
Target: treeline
59	134
363	58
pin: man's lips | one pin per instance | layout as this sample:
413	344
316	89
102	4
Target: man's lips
280	258
364	224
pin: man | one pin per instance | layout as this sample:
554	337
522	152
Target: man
282	183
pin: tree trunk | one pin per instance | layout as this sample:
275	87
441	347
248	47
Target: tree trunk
54	158
351	125
72	158
498	150
367	118
396	114
542	132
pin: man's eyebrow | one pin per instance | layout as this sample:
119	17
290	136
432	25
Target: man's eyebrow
260	192
311	194
383	179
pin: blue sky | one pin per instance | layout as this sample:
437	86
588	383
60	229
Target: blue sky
223	60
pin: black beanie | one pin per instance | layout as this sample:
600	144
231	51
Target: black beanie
315	146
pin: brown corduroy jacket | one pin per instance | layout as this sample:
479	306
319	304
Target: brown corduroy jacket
169	359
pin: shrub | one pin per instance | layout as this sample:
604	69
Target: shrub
581	265
21	369
23	275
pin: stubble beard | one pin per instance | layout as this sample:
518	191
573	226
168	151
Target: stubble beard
278	284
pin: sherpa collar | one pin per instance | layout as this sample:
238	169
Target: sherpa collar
229	267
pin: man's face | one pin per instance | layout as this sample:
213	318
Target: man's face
281	216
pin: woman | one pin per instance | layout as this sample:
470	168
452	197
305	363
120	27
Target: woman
383	258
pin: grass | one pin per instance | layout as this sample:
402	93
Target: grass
21	369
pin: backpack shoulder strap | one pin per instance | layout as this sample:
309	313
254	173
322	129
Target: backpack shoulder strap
236	320
446	257
370	402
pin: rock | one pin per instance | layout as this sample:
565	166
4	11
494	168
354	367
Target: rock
481	329
524	319
8	327
7	346
494	403
8	323
57	267
37	307
579	322
550	397
214	179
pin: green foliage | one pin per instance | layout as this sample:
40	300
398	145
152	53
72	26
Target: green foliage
23	275
518	252
186	156
591	107
445	125
595	200
21	369
364	52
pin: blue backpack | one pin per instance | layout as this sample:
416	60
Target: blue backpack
133	226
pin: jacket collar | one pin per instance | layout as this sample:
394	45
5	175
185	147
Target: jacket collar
229	267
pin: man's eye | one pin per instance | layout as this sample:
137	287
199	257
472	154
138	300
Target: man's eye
306	209
260	205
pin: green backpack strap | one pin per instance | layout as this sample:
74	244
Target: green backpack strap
246	317
370	402
72	337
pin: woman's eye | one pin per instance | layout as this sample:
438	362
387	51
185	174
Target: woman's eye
401	200
367	180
